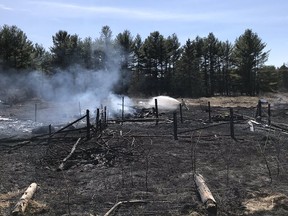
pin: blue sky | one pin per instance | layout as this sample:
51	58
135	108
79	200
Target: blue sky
226	19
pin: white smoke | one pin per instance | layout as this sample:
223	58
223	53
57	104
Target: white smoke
164	103
78	83
91	89
78	87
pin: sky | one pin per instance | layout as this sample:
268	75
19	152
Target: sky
226	19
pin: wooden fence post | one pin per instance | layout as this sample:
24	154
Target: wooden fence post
175	125
232	123
122	109
269	114
100	126
181	116
105	116
50	133
35	112
259	109
50	129
79	109
97	119
88	124
101	112
156	111
209	111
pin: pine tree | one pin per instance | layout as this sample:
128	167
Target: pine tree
125	42
65	50
16	51
249	57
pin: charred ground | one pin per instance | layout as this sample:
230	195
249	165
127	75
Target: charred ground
142	161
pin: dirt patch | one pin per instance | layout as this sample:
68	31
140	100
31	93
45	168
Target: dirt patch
143	161
266	203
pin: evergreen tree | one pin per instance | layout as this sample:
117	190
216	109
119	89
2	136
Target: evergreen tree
283	77
249	57
188	78
204	66
173	50
65	50
210	65
125	42
268	79
226	68
138	78
42	59
16	51
85	48
154	62
104	52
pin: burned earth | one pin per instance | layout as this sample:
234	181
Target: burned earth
140	166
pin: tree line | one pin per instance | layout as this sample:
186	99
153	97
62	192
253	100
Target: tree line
203	66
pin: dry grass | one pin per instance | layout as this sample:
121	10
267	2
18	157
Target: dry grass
266	203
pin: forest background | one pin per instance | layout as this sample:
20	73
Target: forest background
156	65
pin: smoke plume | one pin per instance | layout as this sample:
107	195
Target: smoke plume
88	89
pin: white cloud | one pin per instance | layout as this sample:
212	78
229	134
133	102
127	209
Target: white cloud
3	7
194	14
74	10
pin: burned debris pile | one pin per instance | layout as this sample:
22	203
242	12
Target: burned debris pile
105	150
